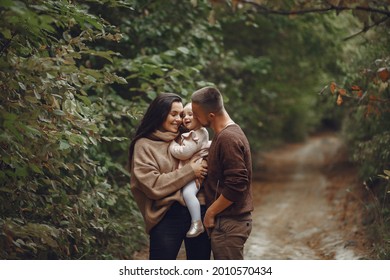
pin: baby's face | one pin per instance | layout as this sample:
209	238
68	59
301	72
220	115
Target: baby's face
188	118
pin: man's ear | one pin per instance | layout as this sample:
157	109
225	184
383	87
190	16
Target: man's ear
211	116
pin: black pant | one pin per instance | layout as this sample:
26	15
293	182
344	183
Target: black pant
167	236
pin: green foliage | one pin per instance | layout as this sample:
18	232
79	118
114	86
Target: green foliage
73	89
76	76
258	69
60	196
365	94
165	57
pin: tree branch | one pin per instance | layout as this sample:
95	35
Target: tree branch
264	9
367	28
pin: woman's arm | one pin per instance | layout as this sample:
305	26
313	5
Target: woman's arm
157	184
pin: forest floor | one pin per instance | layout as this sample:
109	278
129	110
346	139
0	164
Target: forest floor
308	204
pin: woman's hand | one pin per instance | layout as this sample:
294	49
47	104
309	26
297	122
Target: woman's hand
200	168
200	181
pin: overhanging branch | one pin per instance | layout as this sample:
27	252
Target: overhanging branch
264	9
367	28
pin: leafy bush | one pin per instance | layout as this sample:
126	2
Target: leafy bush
73	89
365	95
60	196
75	78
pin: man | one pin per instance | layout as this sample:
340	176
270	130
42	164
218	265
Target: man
227	186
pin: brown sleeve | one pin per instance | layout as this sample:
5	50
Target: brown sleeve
235	173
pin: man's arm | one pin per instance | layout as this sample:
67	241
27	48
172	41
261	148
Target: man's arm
217	207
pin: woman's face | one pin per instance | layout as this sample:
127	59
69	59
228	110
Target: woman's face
173	120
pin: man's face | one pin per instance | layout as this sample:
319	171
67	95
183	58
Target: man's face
200	115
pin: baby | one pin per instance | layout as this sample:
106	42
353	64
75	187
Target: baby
194	143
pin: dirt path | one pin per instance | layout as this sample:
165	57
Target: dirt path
307	204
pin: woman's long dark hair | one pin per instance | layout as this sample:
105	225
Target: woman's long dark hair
154	117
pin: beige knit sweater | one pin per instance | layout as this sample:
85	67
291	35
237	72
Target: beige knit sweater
155	180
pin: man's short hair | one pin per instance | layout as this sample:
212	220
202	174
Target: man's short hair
209	98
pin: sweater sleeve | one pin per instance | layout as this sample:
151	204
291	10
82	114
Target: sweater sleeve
185	150
154	183
236	175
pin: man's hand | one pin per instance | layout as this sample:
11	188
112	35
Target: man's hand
209	221
217	207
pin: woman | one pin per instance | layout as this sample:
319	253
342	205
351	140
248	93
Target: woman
156	182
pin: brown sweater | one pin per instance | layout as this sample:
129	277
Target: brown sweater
230	171
155	180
